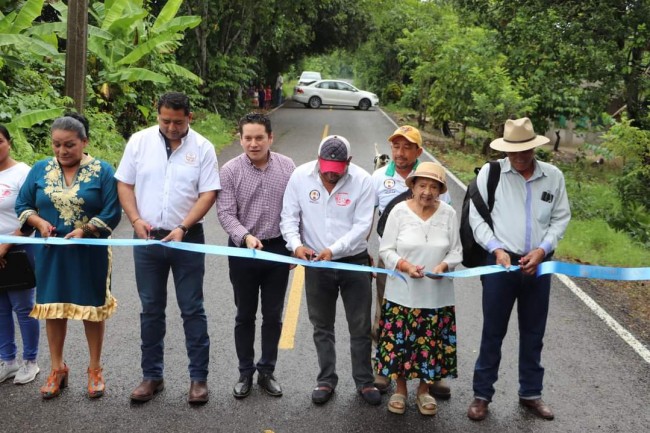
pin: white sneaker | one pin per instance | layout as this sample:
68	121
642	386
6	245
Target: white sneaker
27	372
8	370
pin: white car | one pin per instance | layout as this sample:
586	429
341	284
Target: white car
308	77
334	92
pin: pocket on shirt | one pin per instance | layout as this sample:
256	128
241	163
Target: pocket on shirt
186	177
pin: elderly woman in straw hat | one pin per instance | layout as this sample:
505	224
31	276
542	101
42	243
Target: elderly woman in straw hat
418	324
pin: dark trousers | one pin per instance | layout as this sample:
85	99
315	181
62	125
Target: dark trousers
152	265
500	291
322	287
252	279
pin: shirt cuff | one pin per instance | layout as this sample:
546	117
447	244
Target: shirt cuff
494	244
546	246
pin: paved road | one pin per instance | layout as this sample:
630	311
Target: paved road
594	381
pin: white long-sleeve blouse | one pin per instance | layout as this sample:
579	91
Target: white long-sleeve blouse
426	243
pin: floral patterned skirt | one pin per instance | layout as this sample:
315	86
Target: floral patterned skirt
417	343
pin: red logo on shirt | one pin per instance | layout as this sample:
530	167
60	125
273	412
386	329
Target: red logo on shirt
342	199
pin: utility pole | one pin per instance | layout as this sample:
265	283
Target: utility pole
76	47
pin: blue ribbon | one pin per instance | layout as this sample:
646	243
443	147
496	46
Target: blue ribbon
570	269
589	271
199	248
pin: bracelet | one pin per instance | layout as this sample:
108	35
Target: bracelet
182	227
88	232
134	221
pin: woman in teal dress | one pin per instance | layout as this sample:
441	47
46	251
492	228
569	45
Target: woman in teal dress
71	195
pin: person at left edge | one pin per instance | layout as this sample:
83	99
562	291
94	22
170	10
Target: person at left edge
327	215
168	180
248	207
71	195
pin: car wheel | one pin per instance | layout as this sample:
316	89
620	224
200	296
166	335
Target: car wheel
364	104
314	102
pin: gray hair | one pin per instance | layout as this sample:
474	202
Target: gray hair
68	123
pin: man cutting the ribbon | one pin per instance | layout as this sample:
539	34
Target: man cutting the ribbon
530	215
327	215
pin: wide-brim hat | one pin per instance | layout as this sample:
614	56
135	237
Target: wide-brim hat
429	170
518	136
411	133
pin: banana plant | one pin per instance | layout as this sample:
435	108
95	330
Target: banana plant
15	35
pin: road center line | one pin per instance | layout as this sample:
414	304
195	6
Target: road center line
292	311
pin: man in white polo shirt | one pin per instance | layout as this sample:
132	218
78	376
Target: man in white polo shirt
168	180
330	202
389	183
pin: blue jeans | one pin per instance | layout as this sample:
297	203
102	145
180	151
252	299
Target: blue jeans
21	302
152	265
500	291
322	287
251	280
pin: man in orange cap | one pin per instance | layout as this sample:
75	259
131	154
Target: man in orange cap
389	182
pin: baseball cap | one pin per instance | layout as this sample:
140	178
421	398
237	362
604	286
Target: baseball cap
411	133
333	154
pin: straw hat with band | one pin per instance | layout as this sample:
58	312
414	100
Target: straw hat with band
429	170
518	136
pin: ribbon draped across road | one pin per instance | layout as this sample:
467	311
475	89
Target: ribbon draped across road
570	269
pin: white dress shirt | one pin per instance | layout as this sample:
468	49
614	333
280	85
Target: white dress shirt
166	189
426	243
527	214
340	221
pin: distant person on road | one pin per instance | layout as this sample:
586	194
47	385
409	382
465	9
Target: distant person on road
279	82
389	183
168	180
267	96
530	214
248	207
71	195
418	319
20	302
327	215
261	95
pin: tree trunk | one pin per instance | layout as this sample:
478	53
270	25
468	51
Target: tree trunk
463	135
485	150
632	86
75	56
556	146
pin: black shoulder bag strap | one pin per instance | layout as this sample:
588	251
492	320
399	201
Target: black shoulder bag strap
493	180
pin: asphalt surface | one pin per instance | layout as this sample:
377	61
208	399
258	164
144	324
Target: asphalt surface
594	381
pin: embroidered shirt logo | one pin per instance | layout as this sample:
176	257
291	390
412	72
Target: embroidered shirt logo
314	195
389	183
190	157
342	199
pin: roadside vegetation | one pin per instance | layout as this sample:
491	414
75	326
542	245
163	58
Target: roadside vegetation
456	68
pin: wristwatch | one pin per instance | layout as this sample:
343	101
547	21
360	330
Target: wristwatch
182	227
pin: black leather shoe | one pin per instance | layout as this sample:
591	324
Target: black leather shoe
370	394
198	393
269	384
322	394
243	386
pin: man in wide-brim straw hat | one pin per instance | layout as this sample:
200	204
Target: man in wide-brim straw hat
530	214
